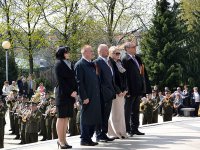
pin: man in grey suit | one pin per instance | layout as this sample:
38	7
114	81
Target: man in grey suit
89	92
107	87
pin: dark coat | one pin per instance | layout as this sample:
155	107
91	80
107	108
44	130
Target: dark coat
137	84
120	78
107	84
88	87
66	84
24	88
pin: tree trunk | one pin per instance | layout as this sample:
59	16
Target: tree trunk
30	62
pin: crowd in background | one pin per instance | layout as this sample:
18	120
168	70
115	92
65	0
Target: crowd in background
107	96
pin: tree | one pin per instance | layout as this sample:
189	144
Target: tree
193	53
119	17
164	46
6	30
27	22
12	69
190	7
6	7
65	21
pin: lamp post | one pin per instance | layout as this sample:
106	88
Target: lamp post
6	45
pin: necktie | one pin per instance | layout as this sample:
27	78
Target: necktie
135	60
109	65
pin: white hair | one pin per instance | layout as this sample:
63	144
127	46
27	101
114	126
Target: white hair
101	46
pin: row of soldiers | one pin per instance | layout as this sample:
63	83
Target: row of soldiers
150	105
27	117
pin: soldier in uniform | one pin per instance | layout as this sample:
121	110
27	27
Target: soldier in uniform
167	107
156	100
147	108
22	114
51	120
33	116
16	109
10	99
42	107
3	109
54	118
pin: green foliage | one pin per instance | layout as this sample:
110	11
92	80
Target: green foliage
193	53
45	82
12	68
163	46
189	8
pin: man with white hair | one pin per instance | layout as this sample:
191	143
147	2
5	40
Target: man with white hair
107	88
138	84
89	93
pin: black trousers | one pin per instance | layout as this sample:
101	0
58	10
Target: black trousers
105	110
196	109
132	112
87	132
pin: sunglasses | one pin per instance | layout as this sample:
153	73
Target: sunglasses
117	53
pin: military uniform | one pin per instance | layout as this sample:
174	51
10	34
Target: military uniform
31	131
156	101
48	122
3	110
53	126
147	108
42	109
51	120
15	110
72	123
167	109
11	103
23	112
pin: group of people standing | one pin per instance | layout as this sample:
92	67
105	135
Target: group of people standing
108	89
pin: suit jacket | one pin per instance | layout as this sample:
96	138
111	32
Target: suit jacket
66	84
107	84
88	87
120	78
138	84
24	88
33	85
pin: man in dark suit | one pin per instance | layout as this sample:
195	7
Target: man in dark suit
89	92
138	84
107	87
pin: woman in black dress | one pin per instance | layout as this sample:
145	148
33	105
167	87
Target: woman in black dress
65	93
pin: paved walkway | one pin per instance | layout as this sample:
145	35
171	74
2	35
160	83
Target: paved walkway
181	134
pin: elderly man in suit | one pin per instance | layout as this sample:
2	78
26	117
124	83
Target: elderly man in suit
89	93
107	87
31	86
138	84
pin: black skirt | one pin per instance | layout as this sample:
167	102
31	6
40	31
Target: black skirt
63	111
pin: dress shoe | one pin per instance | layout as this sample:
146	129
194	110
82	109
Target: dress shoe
17	137
110	139
138	133
101	139
43	139
130	134
11	133
88	143
66	146
21	143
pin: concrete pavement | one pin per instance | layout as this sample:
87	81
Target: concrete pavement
183	133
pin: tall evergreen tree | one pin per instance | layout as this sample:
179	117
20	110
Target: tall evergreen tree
193	64
163	46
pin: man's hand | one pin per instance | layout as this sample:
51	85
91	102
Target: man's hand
86	101
120	94
74	94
